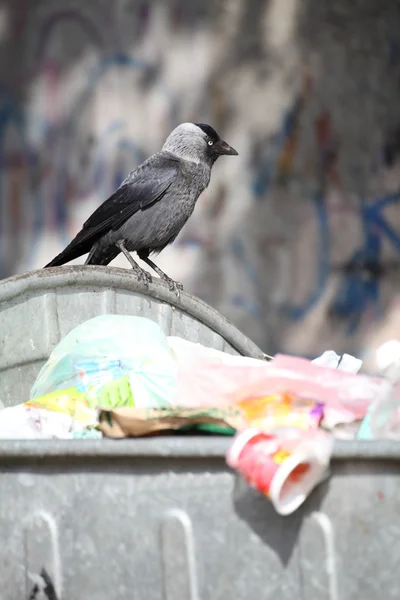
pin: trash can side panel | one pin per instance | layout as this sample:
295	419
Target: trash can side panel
144	306
229	349
205	533
25	330
188	529
78	304
16	383
349	543
189	328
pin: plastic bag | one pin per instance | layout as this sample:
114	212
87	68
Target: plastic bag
346	396
383	417
105	349
346	363
209	377
281	410
27	422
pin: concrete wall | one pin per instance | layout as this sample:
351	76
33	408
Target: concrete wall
306	90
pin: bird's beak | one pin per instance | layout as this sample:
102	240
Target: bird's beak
224	148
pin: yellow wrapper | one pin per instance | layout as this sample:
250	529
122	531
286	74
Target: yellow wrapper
68	401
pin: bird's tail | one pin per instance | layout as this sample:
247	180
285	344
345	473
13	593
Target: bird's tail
72	251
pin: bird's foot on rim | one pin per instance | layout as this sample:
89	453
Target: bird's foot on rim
174	286
144	277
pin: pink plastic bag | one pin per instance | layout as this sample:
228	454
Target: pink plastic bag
221	381
346	396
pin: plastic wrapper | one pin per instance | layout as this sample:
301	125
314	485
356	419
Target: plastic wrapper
382	421
27	422
207	377
285	467
268	414
69	402
346	396
281	410
346	363
107	349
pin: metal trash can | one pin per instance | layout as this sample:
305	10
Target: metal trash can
165	519
38	309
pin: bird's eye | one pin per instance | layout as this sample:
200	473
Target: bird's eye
210	142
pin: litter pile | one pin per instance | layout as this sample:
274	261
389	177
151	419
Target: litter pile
120	376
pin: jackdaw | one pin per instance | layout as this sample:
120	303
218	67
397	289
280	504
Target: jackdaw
153	203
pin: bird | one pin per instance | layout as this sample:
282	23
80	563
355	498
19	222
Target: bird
147	212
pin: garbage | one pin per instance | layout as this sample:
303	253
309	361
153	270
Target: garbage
69	402
281	410
346	396
105	349
132	422
120	376
382	420
347	363
284	466
209	377
26	422
387	355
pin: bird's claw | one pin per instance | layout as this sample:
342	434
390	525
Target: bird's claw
174	286
145	277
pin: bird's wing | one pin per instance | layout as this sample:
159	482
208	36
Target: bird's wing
140	190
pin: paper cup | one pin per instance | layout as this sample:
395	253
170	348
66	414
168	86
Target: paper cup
285	476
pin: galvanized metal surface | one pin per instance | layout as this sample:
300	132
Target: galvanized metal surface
41	307
166	519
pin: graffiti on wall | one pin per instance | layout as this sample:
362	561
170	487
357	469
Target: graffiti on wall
69	140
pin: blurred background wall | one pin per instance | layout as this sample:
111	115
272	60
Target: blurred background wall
297	240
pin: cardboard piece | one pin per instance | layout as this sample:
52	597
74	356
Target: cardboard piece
136	422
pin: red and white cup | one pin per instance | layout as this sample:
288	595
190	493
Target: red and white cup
284	470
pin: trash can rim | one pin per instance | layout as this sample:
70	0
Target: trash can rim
112	277
190	447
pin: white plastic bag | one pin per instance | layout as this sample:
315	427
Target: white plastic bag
23	422
107	348
346	363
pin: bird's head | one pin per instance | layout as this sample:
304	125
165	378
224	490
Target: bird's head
197	142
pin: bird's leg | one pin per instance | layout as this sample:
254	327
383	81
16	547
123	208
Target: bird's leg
140	273
174	286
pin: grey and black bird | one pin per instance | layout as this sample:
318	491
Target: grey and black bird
153	203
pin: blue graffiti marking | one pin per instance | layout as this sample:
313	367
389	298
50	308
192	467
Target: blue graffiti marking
360	284
252	307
